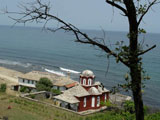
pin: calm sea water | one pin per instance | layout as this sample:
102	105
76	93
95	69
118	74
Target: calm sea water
27	49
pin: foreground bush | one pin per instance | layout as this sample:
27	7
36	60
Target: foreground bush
154	116
129	107
3	87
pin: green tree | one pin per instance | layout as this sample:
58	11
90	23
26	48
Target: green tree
129	55
44	84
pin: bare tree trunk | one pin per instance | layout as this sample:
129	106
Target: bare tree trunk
136	91
135	72
135	67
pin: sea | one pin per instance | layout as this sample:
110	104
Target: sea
30	48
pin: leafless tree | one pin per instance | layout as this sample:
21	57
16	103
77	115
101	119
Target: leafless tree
130	55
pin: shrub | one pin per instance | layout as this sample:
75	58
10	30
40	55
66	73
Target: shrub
155	116
129	106
146	109
3	87
24	89
32	96
55	91
108	104
44	84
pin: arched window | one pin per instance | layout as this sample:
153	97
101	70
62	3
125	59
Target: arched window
93	102
89	81
84	81
84	102
98	101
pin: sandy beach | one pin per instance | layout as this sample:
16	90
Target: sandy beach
10	77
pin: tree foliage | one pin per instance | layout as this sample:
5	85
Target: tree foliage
44	84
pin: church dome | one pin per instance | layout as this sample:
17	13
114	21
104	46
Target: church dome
87	73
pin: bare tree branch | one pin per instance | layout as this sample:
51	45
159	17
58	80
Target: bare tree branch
150	5
117	6
147	50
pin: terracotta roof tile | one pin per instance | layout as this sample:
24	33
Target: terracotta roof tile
71	85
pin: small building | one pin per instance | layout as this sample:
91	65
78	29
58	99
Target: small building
64	83
30	79
85	96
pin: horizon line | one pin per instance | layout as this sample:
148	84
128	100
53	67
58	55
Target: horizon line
26	26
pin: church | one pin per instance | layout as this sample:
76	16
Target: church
87	95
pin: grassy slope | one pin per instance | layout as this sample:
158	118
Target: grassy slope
15	113
22	109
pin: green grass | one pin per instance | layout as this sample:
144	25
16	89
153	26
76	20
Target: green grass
15	113
120	115
22	109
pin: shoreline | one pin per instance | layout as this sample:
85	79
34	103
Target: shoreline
10	77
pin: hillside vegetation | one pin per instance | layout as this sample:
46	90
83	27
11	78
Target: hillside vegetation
15	108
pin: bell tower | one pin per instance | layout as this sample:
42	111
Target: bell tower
87	78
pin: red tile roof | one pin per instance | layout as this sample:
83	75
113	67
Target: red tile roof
71	85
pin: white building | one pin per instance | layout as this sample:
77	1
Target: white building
30	79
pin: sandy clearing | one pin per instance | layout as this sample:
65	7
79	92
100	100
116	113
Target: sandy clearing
9	76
